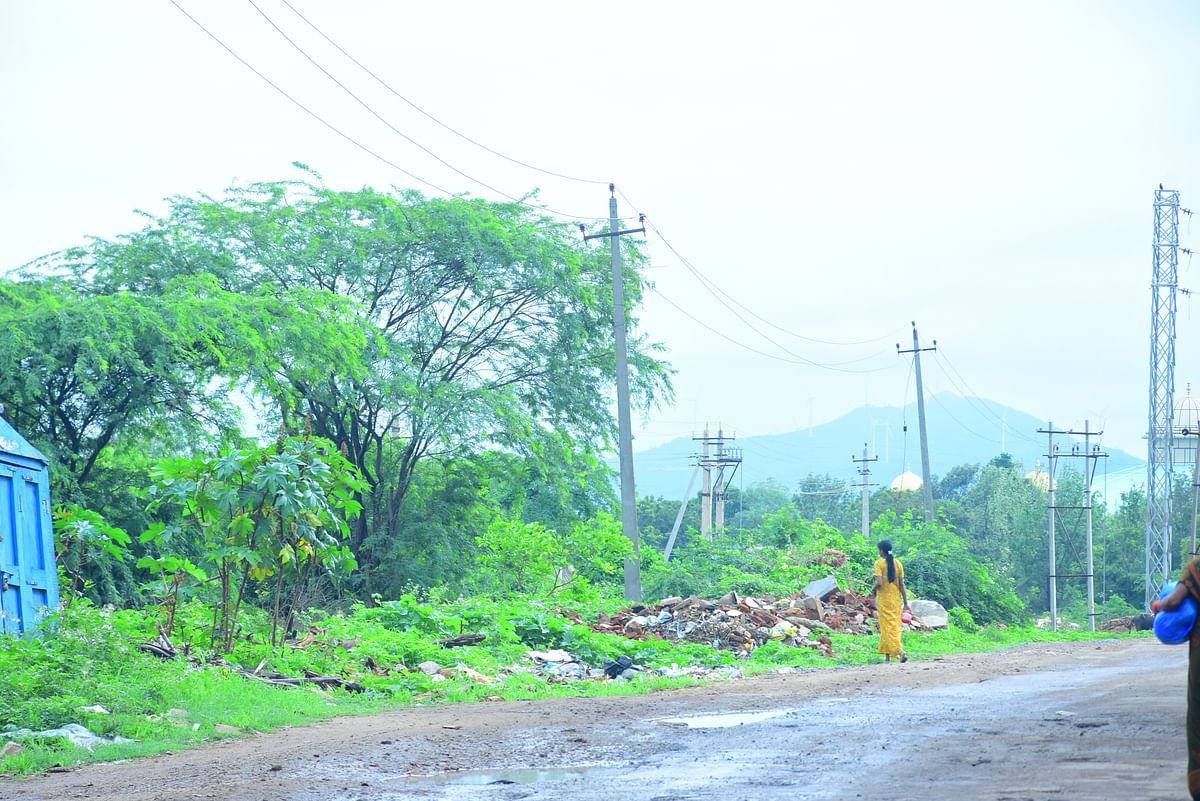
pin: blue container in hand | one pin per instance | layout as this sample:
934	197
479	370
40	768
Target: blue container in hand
1173	628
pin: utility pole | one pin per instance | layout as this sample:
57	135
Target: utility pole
706	491
1051	460
1091	455
865	472
926	485
715	480
629	523
720	486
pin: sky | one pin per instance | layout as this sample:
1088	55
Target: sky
812	171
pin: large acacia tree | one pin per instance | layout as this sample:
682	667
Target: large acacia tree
489	325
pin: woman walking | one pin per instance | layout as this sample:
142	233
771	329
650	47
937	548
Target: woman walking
890	599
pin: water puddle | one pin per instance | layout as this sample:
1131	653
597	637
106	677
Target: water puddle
727	720
510	776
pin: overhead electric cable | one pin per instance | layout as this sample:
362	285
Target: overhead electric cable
835	366
372	153
449	128
401	133
961	424
307	110
713	288
969	393
752	349
705	280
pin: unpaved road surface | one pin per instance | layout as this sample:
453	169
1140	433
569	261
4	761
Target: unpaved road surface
1081	721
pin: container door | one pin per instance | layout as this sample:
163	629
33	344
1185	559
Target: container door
40	590
28	583
11	611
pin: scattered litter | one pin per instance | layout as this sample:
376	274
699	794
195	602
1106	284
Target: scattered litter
556	655
77	734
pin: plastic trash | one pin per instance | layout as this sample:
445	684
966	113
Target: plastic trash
1174	628
906	616
615	669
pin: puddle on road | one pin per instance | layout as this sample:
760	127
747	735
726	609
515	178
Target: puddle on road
727	720
510	776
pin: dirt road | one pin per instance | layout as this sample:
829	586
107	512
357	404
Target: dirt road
1063	721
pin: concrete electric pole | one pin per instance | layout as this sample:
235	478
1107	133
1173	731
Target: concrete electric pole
629	523
716	483
865	471
926	484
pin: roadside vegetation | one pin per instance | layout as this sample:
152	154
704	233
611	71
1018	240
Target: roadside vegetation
429	381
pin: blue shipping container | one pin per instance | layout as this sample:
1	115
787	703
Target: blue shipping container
28	574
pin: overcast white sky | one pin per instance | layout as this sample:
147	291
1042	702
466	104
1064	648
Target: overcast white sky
839	168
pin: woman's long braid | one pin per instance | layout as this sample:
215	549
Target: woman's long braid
886	547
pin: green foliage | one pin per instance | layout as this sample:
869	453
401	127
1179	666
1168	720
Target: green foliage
961	619
779	558
86	546
940	566
271	516
518	558
46	681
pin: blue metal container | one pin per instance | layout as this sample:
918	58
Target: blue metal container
28	574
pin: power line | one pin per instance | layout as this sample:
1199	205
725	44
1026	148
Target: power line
449	128
961	424
307	110
752	349
351	139
970	395
714	288
396	130
835	366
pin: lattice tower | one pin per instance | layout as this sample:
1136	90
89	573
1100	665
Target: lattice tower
1160	479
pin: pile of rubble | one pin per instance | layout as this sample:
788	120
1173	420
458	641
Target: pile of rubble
742	624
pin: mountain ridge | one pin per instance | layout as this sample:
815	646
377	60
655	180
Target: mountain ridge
962	430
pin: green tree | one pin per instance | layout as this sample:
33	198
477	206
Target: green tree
269	519
490	324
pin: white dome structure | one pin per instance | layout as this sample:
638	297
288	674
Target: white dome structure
908	481
1187	414
1039	477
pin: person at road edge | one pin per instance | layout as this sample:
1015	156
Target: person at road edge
1189	585
890	598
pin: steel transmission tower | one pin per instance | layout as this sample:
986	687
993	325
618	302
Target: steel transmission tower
1160	478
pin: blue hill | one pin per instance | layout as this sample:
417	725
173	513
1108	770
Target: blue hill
961	431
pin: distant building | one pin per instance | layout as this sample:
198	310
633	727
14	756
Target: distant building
908	481
1039	477
1187	429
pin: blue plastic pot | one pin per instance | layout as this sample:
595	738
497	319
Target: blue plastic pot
1174	628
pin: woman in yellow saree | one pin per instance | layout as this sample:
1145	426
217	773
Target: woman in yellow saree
1189	585
890	598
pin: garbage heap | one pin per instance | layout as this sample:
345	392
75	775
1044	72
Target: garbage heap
743	623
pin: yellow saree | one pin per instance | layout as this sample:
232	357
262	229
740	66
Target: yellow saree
889	605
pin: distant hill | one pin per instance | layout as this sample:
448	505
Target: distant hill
961	431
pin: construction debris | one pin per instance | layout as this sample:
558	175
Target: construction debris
741	624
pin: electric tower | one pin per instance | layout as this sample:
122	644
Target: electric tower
1159	435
